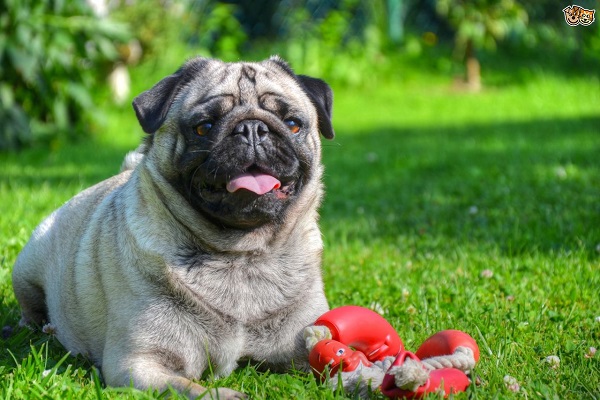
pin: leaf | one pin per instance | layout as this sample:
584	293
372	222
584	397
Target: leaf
114	30
24	63
7	97
60	113
14	130
106	47
80	94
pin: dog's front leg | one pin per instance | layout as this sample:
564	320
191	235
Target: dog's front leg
144	372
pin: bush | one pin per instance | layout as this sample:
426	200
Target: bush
51	56
342	43
191	27
336	40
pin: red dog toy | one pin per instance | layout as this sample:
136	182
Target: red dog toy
369	352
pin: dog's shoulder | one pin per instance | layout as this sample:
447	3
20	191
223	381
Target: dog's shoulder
55	236
79	209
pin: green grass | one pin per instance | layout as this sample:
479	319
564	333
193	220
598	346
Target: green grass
478	212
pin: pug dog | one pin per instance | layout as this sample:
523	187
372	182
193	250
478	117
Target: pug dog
206	249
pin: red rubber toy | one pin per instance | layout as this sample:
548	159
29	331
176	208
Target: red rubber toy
363	330
333	355
361	336
445	342
450	380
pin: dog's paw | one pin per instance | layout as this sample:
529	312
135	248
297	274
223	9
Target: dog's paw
222	394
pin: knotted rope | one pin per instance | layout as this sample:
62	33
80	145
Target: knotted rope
463	358
314	334
413	373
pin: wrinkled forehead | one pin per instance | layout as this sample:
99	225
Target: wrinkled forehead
247	83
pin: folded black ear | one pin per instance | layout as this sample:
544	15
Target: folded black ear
152	106
322	97
319	93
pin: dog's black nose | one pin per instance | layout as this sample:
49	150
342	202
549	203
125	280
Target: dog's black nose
252	130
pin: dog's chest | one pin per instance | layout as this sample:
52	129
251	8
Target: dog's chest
246	288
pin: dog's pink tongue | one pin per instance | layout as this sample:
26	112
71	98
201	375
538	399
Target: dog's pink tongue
256	182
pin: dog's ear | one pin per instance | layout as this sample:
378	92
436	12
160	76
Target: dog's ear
322	97
319	93
152	106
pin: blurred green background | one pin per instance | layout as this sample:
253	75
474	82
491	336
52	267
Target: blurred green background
56	56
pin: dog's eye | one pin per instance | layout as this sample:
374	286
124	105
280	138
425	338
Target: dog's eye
293	125
203	128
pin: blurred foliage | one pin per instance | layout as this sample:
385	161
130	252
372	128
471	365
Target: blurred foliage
55	53
154	23
51	54
548	31
223	34
210	28
355	42
337	40
483	23
343	44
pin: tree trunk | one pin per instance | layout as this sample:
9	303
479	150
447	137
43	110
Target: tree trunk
396	10
473	68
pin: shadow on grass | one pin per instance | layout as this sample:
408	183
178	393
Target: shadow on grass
84	164
513	64
520	186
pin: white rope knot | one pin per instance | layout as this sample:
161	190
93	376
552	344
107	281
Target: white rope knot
462	359
414	373
410	375
314	334
363	379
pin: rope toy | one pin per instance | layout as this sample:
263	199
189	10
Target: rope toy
357	348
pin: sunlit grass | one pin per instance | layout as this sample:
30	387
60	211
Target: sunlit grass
444	209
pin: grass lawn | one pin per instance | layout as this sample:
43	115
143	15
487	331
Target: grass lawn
478	212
